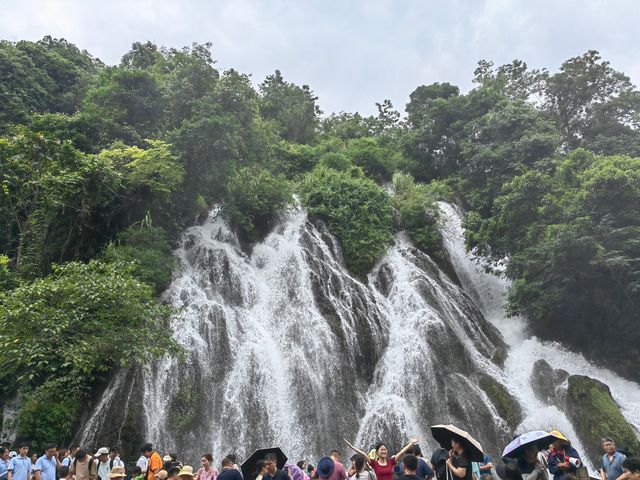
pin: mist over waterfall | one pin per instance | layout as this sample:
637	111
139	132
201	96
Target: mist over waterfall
285	347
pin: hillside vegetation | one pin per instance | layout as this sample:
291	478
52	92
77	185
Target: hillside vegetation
102	167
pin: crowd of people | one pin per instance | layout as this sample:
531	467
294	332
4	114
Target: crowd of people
560	461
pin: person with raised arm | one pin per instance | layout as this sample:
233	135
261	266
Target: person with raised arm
383	466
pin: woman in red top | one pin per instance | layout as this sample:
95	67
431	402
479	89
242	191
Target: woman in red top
383	467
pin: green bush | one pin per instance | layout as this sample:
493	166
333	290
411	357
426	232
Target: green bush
419	214
149	249
379	162
8	279
48	414
254	196
357	211
105	316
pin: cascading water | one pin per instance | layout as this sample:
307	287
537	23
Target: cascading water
285	347
489	292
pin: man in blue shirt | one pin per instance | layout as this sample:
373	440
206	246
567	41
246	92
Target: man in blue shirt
20	465
611	465
485	468
46	465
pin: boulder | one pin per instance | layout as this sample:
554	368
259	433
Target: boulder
595	414
547	383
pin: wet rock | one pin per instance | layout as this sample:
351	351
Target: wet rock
118	419
595	414
547	383
507	406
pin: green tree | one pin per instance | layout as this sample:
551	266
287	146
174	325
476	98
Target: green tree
293	108
130	100
583	89
419	214
107	319
147	248
50	75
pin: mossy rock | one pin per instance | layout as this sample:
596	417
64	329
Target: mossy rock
507	406
595	414
500	356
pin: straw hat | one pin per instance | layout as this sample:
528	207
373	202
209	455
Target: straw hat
162	475
186	470
117	472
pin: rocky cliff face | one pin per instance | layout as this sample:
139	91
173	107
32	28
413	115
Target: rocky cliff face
283	346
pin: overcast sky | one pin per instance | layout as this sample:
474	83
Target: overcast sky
351	53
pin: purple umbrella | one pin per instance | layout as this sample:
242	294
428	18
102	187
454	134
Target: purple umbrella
516	448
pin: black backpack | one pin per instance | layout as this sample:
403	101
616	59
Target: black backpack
439	462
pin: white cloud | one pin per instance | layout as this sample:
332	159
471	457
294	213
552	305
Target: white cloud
352	53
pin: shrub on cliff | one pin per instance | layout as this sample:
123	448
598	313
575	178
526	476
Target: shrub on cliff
356	209
253	198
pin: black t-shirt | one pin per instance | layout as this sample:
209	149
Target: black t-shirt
279	475
461	461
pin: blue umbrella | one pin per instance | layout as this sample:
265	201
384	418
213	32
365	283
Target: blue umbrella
540	439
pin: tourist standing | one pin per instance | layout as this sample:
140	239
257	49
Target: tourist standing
563	458
142	464
206	471
383	466
83	466
114	458
154	460
4	463
410	467
631	468
47	464
611	464
71	455
20	465
339	472
458	462
360	472
230	473
424	470
102	461
273	472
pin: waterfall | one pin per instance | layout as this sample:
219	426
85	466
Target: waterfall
489	292
283	346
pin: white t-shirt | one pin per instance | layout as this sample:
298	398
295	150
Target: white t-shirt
104	470
142	463
116	462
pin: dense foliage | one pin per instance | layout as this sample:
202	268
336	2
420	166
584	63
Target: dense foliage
356	209
536	159
62	334
101	168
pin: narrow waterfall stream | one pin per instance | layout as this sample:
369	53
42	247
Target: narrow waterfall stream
284	346
489	293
